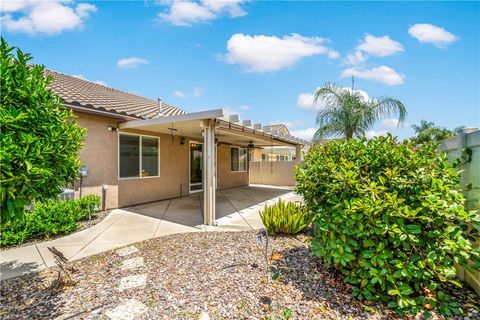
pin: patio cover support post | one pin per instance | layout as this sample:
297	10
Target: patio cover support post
209	171
298	154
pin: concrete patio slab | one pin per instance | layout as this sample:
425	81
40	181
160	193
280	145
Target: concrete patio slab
129	228
20	261
167	227
237	209
92	249
68	251
185	211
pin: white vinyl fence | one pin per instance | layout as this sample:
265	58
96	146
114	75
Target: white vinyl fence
468	138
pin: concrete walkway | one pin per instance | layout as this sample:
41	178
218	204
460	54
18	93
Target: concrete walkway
237	209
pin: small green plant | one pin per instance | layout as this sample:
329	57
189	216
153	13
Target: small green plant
48	219
391	217
285	217
287	313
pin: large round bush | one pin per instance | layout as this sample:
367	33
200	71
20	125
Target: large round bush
391	218
40	139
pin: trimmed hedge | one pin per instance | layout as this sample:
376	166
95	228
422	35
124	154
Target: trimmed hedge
48	219
390	216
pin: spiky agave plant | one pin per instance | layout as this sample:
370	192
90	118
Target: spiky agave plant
349	112
285	217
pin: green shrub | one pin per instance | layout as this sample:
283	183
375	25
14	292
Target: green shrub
48	219
391	218
89	204
40	140
287	218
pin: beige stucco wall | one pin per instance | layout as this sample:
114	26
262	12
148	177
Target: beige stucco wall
225	178
275	173
100	155
174	175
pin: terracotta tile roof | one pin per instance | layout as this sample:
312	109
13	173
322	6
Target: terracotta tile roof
87	94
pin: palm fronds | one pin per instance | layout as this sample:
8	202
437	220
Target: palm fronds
347	113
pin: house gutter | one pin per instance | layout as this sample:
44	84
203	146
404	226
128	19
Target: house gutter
100	112
202	115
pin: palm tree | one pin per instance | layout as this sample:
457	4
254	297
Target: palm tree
427	131
347	113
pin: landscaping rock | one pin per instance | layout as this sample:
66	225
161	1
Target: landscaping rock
135	281
127	251
221	274
133	263
128	310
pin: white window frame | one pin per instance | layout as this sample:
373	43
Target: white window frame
246	161
140	156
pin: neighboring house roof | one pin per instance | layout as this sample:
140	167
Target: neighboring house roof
280	127
83	93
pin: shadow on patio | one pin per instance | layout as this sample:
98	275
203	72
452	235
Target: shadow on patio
188	211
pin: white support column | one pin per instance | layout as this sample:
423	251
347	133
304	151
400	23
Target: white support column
209	171
298	154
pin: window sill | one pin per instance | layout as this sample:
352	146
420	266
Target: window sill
138	178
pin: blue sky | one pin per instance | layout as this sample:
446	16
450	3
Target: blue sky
264	59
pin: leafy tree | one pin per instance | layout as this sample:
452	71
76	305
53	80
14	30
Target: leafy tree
390	216
427	131
40	139
348	113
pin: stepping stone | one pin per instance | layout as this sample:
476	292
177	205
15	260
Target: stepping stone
139	280
133	263
127	251
129	310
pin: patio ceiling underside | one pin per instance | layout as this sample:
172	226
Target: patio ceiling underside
225	132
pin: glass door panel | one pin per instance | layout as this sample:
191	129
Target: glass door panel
196	167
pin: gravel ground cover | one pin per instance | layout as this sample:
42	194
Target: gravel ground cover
223	274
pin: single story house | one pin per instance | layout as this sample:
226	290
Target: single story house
139	150
275	153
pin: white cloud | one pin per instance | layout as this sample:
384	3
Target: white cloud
44	17
179	94
356	59
305	134
232	7
430	33
289	123
186	13
333	54
379	46
307	100
229	110
83	10
196	92
382	73
81	76
260	53
393	123
130	63
371	133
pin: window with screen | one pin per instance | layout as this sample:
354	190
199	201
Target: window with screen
239	159
138	156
